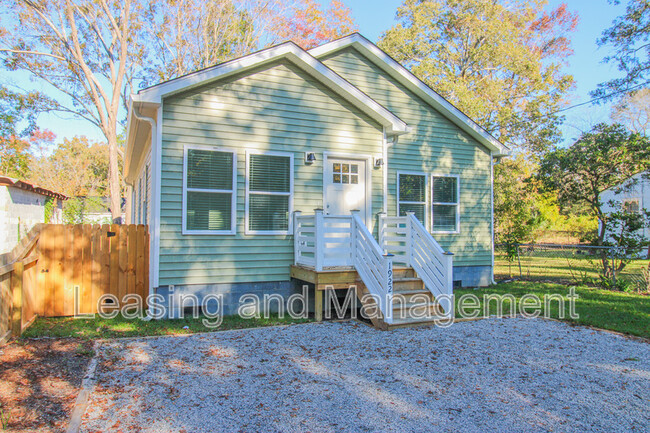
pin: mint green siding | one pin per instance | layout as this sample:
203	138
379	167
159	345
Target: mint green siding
278	108
435	145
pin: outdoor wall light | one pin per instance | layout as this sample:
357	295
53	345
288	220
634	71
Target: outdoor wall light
310	157
379	162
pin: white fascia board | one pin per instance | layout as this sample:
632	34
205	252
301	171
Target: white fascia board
411	82
298	56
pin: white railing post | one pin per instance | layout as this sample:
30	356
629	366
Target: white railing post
388	260
449	280
409	238
381	228
319	244
296	234
353	235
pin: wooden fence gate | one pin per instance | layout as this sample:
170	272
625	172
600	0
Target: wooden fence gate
62	270
88	261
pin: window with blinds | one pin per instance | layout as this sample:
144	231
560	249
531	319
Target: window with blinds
269	193
444	204
412	195
210	185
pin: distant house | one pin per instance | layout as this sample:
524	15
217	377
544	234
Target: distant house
219	163
93	210
633	195
22	205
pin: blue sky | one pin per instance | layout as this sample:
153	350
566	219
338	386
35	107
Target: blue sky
374	17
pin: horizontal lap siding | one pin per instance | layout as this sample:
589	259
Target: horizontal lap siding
435	145
278	108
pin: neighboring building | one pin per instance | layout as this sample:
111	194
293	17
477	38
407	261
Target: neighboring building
22	205
92	210
633	195
238	147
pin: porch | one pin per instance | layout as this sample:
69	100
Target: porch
404	271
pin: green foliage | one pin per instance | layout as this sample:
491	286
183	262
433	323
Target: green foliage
48	208
18	114
602	158
516	216
605	309
628	43
76	210
499	62
74	167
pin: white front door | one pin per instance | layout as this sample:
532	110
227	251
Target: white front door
345	186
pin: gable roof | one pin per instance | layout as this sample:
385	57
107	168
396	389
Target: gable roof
405	77
296	55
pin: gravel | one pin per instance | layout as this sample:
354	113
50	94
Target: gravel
524	375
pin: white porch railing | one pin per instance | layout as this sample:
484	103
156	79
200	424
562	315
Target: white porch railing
326	241
412	245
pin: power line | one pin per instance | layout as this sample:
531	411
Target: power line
591	101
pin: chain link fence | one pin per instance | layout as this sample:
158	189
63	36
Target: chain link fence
573	264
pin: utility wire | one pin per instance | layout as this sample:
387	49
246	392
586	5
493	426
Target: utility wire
591	101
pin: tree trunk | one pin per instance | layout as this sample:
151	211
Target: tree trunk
114	179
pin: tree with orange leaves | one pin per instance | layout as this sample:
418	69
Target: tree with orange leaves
309	25
498	61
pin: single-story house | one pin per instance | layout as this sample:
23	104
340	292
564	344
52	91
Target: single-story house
632	195
23	205
95	209
222	163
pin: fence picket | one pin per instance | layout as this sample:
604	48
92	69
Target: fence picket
65	256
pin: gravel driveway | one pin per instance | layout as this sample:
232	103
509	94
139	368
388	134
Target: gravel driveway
509	375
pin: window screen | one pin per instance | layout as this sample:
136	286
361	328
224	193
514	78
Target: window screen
412	195
209	190
269	193
444	203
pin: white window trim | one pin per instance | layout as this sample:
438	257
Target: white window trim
426	194
457	204
631	199
289	230
233	192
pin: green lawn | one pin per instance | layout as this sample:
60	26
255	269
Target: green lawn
616	311
121	327
577	269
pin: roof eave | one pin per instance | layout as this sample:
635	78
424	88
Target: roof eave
154	95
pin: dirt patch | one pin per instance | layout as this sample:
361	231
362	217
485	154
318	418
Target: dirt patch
39	382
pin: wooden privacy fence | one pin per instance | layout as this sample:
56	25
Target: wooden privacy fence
62	270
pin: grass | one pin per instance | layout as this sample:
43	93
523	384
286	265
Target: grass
617	311
59	327
577	269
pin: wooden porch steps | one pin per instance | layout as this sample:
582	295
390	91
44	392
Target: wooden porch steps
413	304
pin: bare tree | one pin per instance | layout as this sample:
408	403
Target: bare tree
86	51
633	111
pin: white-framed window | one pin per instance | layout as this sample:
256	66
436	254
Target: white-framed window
412	195
209	190
631	205
445	209
269	192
